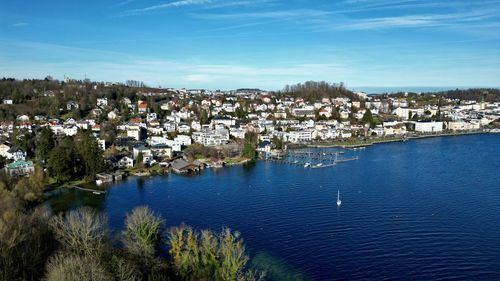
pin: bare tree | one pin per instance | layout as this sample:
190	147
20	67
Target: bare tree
82	231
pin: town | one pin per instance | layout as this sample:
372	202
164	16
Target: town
146	130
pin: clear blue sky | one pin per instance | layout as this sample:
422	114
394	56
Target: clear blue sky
225	44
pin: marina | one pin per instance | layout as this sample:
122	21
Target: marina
312	158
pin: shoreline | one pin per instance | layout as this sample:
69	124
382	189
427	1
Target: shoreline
244	161
402	139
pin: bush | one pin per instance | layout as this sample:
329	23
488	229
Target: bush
207	255
76	268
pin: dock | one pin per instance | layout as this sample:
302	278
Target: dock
313	160
95	191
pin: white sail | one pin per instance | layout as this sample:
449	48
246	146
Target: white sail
338	198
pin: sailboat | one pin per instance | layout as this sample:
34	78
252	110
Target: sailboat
338	199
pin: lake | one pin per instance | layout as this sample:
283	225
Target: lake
426	209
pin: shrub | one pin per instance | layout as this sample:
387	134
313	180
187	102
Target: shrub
207	255
76	268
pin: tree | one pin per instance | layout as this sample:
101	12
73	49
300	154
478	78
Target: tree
249	150
142	233
61	163
31	189
203	117
278	142
44	143
82	231
139	161
368	118
25	240
207	255
90	154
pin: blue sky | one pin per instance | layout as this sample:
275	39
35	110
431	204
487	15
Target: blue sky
226	44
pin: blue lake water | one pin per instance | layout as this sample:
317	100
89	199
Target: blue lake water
424	209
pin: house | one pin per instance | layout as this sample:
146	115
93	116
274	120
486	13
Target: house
4	147
299	136
70	130
70	105
226	121
146	152
182	166
124	162
151	117
23	118
16	153
142	107
137	133
113	114
428	127
161	151
184	128
211	137
8	101
20	168
183	140
264	146
102	102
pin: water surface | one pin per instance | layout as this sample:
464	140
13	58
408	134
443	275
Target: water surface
425	209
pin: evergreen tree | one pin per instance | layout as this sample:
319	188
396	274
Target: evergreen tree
44	143
61	163
90	153
368	118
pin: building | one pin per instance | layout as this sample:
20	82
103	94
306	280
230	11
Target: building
161	151
142	107
428	127
181	166
102	102
4	148
211	137
299	136
16	153
20	168
125	162
136	132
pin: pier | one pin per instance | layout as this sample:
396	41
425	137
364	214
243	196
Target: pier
311	159
95	191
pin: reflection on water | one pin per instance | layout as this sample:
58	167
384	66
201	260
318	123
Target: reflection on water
73	198
276	269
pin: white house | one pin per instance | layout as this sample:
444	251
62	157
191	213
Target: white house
183	140
299	136
16	153
70	130
102	102
126	162
428	127
113	114
3	149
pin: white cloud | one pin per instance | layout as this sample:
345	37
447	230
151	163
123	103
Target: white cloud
20	24
174	4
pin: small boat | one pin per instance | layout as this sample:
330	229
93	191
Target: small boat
319	165
95	192
307	165
338	199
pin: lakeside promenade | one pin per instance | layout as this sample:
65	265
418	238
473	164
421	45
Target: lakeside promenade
353	143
